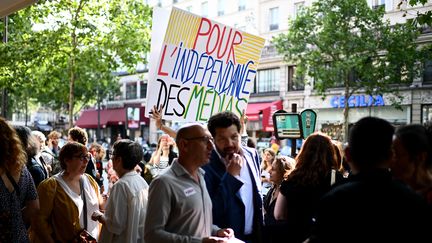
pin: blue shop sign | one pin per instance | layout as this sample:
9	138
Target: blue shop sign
357	101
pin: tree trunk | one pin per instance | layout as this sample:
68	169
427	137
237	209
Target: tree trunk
346	113
71	96
72	79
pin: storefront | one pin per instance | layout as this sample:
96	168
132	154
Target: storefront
128	122
330	111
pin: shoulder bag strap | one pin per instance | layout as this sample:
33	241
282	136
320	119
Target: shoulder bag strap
12	180
84	202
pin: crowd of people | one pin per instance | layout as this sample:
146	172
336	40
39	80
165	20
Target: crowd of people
208	184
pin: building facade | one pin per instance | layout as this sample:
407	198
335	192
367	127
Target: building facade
275	86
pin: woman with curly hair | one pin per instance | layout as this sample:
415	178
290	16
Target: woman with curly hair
314	173
18	197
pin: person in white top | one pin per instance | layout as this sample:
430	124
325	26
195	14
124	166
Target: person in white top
123	220
163	156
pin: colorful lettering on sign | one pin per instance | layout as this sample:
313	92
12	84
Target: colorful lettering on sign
357	101
203	67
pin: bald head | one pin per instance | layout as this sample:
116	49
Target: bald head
195	144
189	130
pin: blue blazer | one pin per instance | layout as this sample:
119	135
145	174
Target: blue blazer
223	188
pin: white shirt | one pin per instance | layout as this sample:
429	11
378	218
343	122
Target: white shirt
126	210
246	194
92	202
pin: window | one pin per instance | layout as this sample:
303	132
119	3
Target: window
426	113
204	9
268	80
189	9
294	83
221	7
143	88
241	5
297	8
159	3
131	91
175	1
274	19
427	73
378	3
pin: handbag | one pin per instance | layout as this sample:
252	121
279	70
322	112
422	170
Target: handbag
6	216
84	236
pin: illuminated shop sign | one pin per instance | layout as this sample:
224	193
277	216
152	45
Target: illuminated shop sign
357	101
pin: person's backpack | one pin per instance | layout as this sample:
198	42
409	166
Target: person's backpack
55	162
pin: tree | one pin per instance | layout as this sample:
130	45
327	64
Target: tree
422	18
344	43
79	44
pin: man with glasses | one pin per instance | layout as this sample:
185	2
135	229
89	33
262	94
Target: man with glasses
179	207
232	176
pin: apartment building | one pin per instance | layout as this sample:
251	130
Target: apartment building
275	86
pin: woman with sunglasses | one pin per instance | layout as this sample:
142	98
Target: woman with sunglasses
68	198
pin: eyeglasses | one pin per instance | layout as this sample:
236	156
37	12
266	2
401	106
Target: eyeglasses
205	139
82	157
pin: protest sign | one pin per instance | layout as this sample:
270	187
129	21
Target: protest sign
199	67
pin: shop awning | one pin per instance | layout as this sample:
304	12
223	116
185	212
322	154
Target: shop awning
267	120
255	109
117	116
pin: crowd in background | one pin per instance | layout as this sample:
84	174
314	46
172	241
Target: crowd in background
210	184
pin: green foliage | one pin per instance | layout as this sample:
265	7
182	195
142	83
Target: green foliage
344	43
64	51
424	18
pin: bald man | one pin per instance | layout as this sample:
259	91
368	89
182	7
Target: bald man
179	206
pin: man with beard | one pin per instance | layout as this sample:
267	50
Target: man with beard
233	177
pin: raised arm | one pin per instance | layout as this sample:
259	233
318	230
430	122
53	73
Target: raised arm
157	116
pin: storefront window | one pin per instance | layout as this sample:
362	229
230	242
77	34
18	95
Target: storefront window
426	114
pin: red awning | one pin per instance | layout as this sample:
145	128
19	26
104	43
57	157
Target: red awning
267	118
89	118
254	110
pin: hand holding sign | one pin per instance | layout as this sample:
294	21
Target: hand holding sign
157	115
243	121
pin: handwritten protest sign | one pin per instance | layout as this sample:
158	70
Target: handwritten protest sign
199	67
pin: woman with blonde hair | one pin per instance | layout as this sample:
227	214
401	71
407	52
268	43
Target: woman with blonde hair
268	156
69	199
280	170
18	197
162	157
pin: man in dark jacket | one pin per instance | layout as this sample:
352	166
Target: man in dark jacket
233	180
371	206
